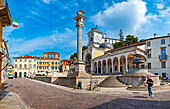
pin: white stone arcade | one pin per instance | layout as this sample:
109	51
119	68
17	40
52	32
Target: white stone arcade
114	62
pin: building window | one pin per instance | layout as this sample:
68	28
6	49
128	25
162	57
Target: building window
15	65
25	60
34	65
46	67
163	53
148	44
25	65
149	54
149	65
20	66
162	41
15	60
38	67
48	55
20	60
163	64
34	60
29	60
30	65
42	67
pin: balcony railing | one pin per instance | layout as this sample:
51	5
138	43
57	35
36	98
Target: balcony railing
163	57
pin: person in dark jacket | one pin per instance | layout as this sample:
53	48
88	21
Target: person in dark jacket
150	84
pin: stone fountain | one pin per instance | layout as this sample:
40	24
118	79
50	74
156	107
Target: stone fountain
136	76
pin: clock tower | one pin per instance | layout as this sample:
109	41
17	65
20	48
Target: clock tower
94	38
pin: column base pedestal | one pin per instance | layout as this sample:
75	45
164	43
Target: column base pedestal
79	70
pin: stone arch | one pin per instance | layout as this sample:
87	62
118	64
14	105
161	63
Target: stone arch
104	66
95	67
143	64
129	59
122	63
25	74
20	74
16	75
99	67
109	64
88	62
115	64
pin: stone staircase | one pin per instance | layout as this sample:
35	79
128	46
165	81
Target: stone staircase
111	82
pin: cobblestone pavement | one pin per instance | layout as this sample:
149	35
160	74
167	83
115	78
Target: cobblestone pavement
44	96
10	100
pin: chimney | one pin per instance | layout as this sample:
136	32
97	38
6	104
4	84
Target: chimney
37	54
155	35
104	35
168	34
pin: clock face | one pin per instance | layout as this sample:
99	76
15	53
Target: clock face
98	38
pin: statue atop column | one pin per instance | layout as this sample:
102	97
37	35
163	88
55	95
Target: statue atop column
79	64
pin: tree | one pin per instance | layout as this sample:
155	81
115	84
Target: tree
119	44
121	35
84	47
73	56
131	39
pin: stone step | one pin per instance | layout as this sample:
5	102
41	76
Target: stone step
111	82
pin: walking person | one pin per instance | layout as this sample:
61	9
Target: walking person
150	84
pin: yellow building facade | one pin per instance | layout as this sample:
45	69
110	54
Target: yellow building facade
50	59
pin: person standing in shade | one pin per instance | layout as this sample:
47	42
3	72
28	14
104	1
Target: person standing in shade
150	84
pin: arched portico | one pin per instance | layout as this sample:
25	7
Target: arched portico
99	67
115	64
122	63
104	66
129	59
95	67
109	64
88	62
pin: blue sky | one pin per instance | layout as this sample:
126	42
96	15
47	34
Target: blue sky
48	25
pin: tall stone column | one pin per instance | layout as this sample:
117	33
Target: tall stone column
101	67
79	64
112	67
107	66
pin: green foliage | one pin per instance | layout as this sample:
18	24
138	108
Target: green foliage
131	39
84	47
73	56
119	44
142	40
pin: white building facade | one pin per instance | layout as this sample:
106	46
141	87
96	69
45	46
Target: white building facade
25	66
158	55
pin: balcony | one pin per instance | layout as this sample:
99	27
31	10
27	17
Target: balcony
162	57
5	14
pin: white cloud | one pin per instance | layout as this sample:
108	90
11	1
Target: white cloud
165	13
106	5
68	30
9	29
35	13
22	46
47	1
160	5
128	16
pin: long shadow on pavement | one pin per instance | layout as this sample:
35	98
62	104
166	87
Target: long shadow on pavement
123	103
